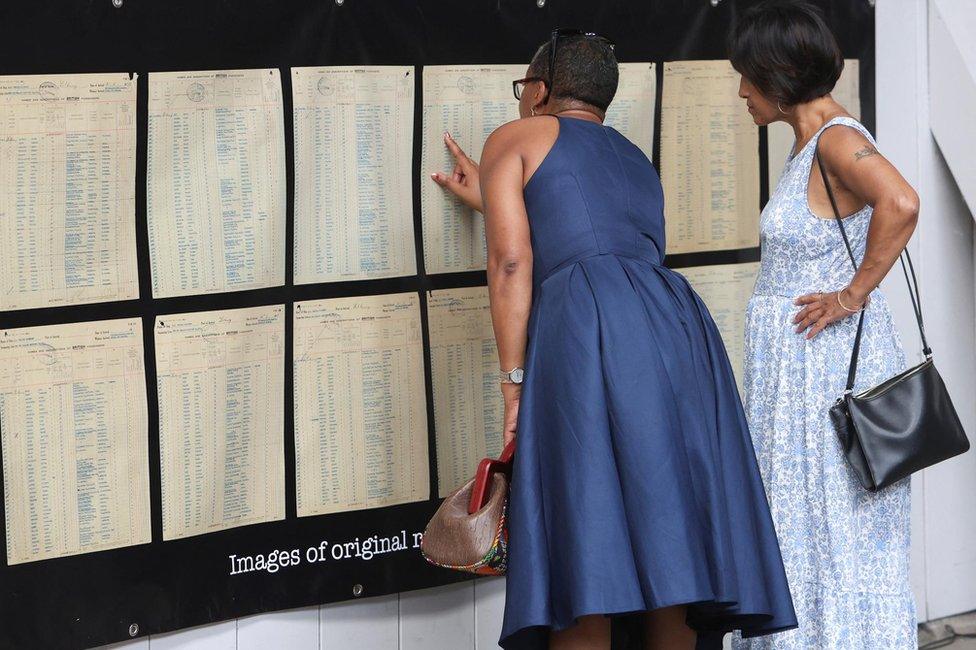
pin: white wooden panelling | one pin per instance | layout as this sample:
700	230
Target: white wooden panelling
946	252
901	77
367	624
294	629
218	636
489	605
952	92
441	618
947	298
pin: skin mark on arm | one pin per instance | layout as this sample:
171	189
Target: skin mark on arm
866	151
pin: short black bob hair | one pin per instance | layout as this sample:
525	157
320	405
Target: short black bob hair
786	50
586	70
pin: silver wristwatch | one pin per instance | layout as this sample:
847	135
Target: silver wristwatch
513	376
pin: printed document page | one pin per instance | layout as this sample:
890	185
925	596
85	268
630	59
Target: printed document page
220	382
215	184
725	289
469	102
353	173
67	190
709	159
74	424
632	110
468	404
360	403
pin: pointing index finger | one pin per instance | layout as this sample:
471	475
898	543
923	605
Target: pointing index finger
453	147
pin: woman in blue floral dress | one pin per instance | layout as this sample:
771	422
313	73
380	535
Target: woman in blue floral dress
846	550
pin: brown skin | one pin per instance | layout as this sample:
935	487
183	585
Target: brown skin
859	176
510	157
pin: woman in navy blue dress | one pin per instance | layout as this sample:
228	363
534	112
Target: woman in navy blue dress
635	488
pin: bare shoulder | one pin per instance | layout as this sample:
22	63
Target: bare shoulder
842	143
520	137
525	126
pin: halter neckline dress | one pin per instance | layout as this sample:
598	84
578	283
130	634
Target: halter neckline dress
635	485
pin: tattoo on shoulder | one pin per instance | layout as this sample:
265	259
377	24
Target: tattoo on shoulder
868	150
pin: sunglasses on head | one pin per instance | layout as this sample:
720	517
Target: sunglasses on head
554	41
519	84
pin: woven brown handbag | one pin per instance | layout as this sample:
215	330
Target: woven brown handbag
469	531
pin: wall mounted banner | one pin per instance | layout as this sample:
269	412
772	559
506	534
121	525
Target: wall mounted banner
245	344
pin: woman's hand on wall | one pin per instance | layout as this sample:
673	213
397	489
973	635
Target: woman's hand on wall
464	182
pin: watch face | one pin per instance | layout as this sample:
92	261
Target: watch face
517	375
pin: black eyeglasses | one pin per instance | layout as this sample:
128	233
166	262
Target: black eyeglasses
519	85
554	40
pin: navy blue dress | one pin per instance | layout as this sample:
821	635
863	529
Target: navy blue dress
635	485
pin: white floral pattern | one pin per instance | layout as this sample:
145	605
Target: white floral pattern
846	550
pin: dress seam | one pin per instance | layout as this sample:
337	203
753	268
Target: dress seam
589	217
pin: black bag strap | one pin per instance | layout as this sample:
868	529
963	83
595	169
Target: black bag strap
912	284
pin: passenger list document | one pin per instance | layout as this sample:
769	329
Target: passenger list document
469	102
360	403
220	382
632	110
468	406
74	424
67	190
725	289
780	138
215	183
353	173
709	159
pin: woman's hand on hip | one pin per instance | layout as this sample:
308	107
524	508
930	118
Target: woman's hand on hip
464	182
512	394
821	309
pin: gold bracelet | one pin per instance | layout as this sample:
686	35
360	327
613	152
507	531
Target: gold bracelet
846	308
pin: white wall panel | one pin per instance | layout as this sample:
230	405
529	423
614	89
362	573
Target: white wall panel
441	618
219	636
294	629
489	605
368	624
900	79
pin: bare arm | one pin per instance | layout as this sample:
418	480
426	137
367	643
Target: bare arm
868	175
856	169
463	181
509	257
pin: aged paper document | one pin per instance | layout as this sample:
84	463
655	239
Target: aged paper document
632	110
353	173
468	404
725	289
67	190
469	102
360	403
709	159
220	382
215	184
73	418
780	139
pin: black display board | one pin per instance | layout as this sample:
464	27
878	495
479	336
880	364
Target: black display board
91	599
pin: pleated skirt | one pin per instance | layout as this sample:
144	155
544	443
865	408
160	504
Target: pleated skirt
635	485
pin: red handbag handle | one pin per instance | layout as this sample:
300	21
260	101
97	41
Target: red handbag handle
487	467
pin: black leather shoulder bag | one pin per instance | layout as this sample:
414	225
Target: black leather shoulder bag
904	424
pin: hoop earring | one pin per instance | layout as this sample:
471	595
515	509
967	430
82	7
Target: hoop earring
781	109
